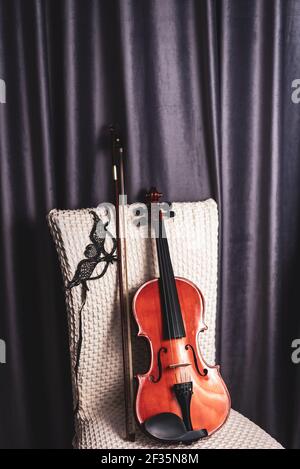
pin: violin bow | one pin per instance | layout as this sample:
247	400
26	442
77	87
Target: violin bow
119	189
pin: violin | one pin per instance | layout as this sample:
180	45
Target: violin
180	398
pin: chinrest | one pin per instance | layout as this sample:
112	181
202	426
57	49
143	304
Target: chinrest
168	427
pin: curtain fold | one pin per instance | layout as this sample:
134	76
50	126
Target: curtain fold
251	194
202	93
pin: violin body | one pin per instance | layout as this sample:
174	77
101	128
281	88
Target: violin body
210	401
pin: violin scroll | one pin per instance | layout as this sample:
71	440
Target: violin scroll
153	196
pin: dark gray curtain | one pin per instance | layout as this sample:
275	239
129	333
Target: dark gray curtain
202	92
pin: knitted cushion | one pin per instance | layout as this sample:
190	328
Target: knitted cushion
192	235
237	433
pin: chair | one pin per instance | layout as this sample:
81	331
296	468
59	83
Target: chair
98	385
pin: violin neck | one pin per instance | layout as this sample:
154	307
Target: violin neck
173	327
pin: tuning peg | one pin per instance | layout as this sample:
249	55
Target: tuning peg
153	195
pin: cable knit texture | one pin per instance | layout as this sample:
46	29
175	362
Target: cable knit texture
193	239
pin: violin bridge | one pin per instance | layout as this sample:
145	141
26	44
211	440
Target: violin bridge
178	365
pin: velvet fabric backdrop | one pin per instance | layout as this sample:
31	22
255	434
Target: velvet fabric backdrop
202	91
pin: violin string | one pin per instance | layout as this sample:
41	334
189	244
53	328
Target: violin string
168	281
168	293
172	280
169	273
166	270
164	288
164	256
163	283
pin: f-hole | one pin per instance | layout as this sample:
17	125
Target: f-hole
162	349
205	371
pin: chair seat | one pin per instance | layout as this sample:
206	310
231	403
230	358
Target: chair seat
237	433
